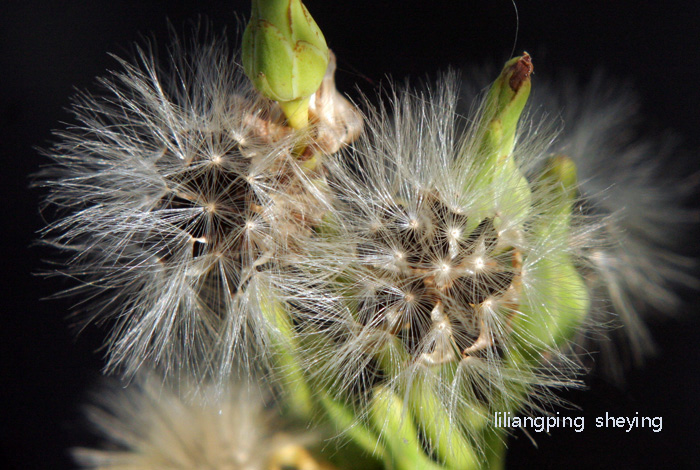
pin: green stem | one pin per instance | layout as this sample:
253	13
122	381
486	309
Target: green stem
444	437
346	421
298	394
399	433
495	448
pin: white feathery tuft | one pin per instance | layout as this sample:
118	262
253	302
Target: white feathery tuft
149	426
178	197
641	191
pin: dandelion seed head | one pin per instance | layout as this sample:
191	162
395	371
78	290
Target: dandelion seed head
177	195
433	264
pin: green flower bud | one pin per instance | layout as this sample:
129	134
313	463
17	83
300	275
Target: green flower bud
504	105
285	55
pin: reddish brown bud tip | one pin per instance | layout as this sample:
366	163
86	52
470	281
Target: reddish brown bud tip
521	72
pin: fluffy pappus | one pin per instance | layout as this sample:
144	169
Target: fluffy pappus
454	282
641	190
178	199
149	426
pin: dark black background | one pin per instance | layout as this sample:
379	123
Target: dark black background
48	48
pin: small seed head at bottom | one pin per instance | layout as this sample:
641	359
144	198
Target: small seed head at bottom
150	425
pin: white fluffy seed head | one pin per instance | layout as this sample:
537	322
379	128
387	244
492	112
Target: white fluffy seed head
149	426
442	275
178	197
